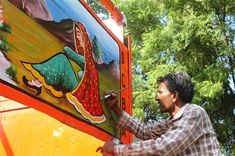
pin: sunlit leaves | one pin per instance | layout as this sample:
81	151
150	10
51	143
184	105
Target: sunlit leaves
215	89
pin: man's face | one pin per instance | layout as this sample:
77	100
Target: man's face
165	98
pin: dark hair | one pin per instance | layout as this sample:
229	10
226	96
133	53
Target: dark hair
180	82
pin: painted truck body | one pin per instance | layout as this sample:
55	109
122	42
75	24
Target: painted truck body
57	60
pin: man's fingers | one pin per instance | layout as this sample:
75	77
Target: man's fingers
99	149
109	92
113	94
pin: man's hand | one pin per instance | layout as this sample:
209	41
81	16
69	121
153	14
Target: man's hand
107	149
112	102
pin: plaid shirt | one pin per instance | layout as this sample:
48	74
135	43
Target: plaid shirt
189	132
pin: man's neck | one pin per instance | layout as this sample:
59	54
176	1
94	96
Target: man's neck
176	108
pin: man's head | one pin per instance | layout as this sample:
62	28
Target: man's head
174	89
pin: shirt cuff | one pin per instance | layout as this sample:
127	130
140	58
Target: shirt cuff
118	150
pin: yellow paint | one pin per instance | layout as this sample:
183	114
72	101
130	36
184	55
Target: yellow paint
33	133
2	152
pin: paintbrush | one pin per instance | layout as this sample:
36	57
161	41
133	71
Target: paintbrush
116	92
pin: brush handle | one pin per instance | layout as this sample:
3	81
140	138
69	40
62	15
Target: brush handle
116	92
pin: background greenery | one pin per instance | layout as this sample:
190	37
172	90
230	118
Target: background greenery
196	36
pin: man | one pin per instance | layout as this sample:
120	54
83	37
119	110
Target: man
188	130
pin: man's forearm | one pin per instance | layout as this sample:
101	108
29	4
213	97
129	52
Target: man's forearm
118	111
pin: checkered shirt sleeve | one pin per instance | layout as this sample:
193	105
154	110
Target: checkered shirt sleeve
169	138
126	122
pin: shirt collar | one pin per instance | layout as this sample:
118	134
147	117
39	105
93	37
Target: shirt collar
180	112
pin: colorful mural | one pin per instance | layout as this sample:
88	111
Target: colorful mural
59	58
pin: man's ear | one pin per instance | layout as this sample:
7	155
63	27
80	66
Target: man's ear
175	96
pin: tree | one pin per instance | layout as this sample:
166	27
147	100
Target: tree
99	9
96	49
194	36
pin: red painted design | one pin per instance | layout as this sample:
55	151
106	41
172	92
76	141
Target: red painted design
88	90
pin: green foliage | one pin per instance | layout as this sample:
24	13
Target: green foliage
142	12
99	9
215	89
4	45
161	70
194	36
96	49
5	27
12	71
